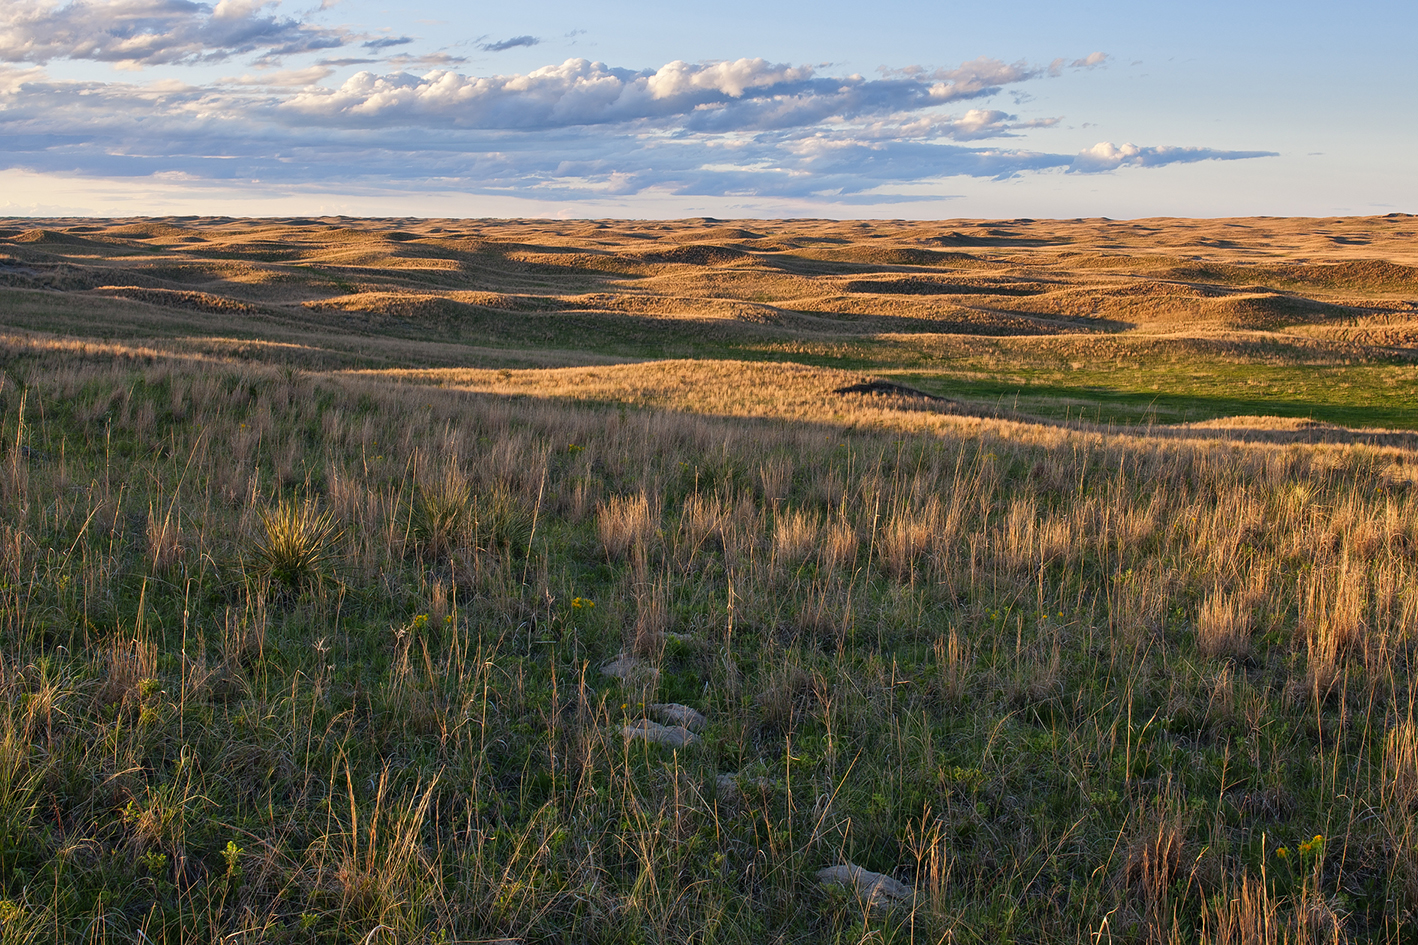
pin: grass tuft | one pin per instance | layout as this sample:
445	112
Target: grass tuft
293	549
443	511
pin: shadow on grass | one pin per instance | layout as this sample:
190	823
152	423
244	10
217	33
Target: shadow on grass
1112	406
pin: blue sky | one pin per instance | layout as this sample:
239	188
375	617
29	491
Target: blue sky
730	109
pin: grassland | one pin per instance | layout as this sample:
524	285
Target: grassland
320	536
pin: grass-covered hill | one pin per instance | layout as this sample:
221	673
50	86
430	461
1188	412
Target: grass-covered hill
357	579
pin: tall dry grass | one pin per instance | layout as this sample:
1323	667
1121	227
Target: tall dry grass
967	661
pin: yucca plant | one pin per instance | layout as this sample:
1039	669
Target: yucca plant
293	550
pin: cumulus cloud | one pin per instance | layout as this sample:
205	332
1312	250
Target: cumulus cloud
708	98
150	32
576	130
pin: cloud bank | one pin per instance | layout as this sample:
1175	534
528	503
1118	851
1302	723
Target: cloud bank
580	129
154	32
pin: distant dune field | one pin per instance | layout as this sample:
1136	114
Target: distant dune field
1092	313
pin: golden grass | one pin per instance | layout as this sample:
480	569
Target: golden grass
626	523
438	283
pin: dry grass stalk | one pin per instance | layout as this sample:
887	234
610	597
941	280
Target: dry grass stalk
626	522
652	621
825	613
840	544
927	844
1250	915
787	690
581	500
164	541
438	604
244	631
1334	622
908	533
1019	543
952	663
776	478
1400	787
795	534
1223	626
131	661
375	860
700	519
1138	602
1157	872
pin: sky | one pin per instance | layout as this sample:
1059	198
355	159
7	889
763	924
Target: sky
739	108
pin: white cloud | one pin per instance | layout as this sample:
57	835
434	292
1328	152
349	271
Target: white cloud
286	78
576	92
1106	156
150	32
12	79
240	9
680	79
1090	61
575	131
717	97
427	61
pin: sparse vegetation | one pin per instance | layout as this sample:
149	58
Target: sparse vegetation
291	652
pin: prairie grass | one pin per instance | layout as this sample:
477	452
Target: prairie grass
298	655
442	509
1223	627
795	535
626	524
